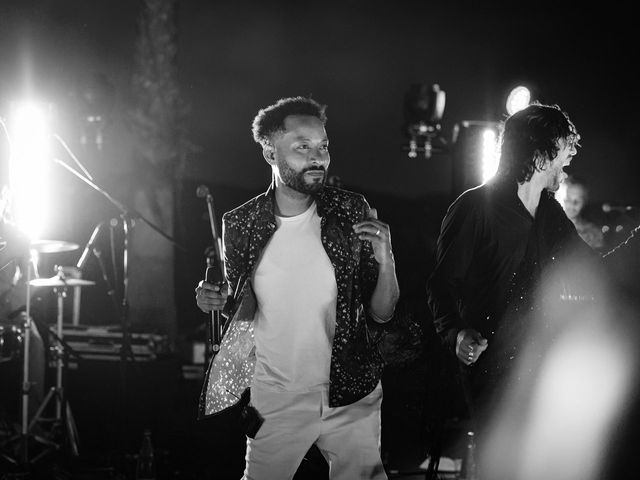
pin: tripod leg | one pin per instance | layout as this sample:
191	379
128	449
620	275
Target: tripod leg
52	391
72	432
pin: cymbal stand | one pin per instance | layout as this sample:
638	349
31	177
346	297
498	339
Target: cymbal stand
26	385
22	452
126	351
63	416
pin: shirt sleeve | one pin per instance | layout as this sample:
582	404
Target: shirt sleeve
459	234
368	264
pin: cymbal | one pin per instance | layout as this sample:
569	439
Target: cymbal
59	282
53	246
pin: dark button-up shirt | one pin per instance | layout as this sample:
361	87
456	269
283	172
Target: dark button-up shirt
493	258
481	244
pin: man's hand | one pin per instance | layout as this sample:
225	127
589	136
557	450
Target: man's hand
469	345
378	234
210	297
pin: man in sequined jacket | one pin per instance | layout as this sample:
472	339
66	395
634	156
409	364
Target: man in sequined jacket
311	283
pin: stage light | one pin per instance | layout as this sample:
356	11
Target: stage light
423	111
475	153
29	166
490	154
518	99
561	193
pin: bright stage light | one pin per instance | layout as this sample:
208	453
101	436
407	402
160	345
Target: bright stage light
586	376
561	193
572	384
29	166
490	154
518	99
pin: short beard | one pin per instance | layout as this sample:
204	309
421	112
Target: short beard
295	180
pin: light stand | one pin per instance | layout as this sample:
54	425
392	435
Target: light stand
423	110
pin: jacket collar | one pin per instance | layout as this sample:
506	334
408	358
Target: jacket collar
325	200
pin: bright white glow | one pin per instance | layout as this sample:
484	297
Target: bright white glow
565	396
29	131
561	194
582	385
489	157
518	99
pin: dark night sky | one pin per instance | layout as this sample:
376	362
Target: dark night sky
358	57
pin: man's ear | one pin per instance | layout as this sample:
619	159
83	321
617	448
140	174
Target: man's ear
269	154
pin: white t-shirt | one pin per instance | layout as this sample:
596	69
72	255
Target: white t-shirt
296	290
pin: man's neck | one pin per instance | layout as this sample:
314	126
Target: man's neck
289	202
529	194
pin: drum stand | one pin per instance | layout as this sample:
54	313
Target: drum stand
63	416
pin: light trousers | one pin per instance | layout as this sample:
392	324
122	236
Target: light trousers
348	437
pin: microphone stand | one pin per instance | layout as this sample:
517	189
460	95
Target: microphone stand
124	211
126	352
110	290
214	274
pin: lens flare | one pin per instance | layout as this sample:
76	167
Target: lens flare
518	99
489	154
29	169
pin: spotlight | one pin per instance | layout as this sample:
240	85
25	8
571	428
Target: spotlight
489	154
475	153
423	111
518	99
29	166
561	193
96	97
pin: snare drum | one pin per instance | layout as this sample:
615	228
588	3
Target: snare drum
11	338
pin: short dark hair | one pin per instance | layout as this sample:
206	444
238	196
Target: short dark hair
529	138
270	120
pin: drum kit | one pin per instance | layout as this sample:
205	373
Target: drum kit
37	433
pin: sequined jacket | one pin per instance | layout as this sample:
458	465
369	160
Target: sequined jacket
356	363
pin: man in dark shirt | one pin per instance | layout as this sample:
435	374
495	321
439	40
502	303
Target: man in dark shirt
495	243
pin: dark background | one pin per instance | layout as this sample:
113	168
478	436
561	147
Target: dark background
359	58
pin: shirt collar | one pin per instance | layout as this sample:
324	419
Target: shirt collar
325	200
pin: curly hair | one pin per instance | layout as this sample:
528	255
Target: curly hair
530	138
270	120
